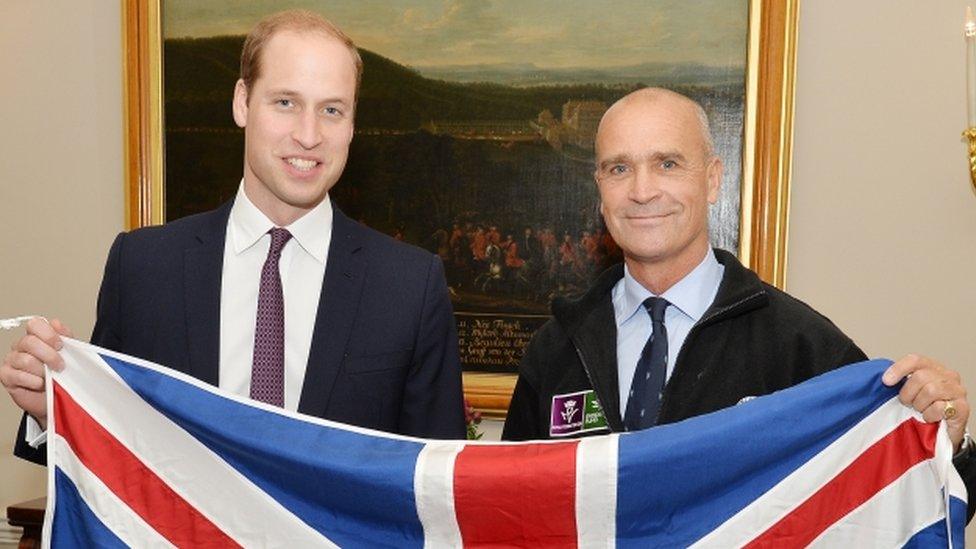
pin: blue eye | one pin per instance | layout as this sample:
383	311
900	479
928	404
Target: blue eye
284	103
618	169
332	111
669	164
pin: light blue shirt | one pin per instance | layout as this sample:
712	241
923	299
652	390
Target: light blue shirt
689	298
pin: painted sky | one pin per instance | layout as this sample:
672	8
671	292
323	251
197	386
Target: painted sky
547	33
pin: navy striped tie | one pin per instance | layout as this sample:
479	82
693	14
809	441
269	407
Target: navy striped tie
644	401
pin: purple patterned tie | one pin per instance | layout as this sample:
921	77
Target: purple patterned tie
268	373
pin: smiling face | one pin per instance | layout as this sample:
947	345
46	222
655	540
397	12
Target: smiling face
656	177
298	123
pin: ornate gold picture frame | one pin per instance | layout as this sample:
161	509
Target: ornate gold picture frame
766	148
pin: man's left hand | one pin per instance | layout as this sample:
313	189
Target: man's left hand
930	388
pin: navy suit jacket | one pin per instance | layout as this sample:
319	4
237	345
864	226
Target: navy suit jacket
384	351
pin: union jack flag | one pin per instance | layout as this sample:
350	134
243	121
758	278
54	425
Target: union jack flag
143	456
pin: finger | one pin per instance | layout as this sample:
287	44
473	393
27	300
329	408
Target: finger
40	350
937	411
40	328
6	373
13	378
957	424
61	328
914	385
934	412
901	368
18	379
924	389
29	364
17	360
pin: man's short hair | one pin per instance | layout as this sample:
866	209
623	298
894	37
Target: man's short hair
291	20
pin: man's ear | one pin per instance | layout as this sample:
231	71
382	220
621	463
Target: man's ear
240	104
714	175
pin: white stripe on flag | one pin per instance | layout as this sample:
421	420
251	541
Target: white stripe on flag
950	476
802	483
952	483
434	492
885	520
118	517
596	491
187	466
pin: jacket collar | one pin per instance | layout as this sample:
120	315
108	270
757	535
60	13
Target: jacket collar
589	323
740	291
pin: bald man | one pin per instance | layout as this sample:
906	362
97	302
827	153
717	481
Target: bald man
722	335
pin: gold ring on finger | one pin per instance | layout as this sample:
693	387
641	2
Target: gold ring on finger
950	410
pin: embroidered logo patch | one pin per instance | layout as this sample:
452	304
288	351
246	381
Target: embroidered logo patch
574	413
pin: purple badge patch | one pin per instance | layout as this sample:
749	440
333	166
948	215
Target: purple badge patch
567	414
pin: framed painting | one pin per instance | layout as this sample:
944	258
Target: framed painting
474	135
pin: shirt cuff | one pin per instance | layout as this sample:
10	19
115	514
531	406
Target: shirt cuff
33	434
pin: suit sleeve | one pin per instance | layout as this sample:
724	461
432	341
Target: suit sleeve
24	451
104	334
966	467
432	398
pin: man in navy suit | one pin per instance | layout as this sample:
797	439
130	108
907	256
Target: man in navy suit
368	331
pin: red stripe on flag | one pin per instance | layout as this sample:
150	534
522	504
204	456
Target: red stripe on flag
887	459
521	495
129	479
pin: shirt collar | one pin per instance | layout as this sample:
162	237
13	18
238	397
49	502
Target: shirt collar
248	224
692	295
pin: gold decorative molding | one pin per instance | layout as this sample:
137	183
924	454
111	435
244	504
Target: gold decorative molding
768	145
489	393
143	112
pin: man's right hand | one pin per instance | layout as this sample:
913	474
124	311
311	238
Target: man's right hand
22	371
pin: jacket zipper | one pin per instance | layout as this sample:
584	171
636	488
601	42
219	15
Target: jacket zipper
586	370
694	332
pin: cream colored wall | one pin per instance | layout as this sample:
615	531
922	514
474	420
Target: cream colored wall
883	217
60	176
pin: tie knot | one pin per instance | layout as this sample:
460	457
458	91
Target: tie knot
279	237
656	306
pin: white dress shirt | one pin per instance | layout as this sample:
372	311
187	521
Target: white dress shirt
690	297
302	267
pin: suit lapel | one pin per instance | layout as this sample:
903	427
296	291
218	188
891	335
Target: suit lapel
338	305
202	269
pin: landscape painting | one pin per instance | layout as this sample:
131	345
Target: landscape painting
474	132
